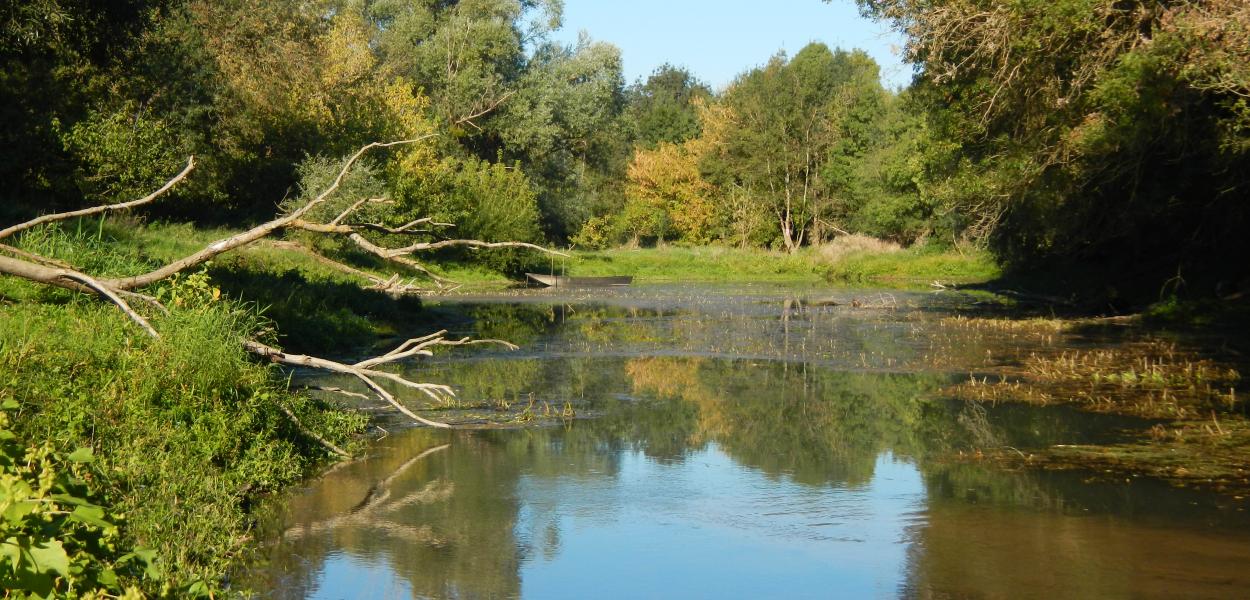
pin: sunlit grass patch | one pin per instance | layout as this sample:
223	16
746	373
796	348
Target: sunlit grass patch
1036	325
700	263
915	264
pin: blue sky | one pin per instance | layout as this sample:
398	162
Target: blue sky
718	39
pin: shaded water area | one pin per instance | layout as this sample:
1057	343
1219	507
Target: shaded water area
742	441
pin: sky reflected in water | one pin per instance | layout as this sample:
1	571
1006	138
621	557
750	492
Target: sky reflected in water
746	444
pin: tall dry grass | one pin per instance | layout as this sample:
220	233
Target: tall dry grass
846	245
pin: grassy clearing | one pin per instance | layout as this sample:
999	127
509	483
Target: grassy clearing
855	263
913	265
706	263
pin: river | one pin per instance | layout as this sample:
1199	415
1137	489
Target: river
735	441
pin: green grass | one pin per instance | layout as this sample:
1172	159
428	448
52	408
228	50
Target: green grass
186	428
914	265
708	263
718	263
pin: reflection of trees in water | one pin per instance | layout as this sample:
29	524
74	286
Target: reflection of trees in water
994	534
440	519
835	334
768	384
817	426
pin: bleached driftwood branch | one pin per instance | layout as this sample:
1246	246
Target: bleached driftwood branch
33	267
4	233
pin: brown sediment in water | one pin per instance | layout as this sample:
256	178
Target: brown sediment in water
1198	435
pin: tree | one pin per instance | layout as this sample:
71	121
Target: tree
323	214
562	126
1090	134
798	127
55	56
666	180
663	108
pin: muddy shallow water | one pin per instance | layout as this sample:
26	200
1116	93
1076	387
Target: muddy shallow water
742	441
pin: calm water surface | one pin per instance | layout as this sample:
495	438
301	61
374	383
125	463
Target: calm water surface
746	442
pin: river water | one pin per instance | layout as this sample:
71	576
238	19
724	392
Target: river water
741	441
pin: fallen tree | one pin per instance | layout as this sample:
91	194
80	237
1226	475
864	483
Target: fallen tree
123	291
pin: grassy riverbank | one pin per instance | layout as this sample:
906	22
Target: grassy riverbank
187	430
859	267
708	263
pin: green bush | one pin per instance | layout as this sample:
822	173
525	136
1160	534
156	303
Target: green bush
187	427
56	537
124	154
487	201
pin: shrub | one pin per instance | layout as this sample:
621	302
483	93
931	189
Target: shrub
56	537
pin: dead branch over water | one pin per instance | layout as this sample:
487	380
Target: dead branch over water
47	271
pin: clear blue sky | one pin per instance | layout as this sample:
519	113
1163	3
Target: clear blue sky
718	39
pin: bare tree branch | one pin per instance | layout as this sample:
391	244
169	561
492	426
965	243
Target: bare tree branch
421	347
4	233
253	234
365	375
112	296
43	260
39	269
469	119
337	390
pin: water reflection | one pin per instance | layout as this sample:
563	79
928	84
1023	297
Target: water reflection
739	452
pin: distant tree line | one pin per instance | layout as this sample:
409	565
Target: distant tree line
1059	134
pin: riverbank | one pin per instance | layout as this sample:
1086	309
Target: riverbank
188	429
858	267
188	432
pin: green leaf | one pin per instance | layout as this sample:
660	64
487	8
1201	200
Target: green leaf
198	589
49	557
18	510
10	550
151	568
108	578
70	499
91	515
81	455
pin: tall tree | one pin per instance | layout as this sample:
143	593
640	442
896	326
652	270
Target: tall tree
663	108
1092	133
55	55
798	125
562	124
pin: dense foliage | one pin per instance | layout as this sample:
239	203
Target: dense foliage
1090	134
55	537
187	430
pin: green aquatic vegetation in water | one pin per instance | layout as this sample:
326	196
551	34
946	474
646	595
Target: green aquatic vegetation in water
1150	378
1200	433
